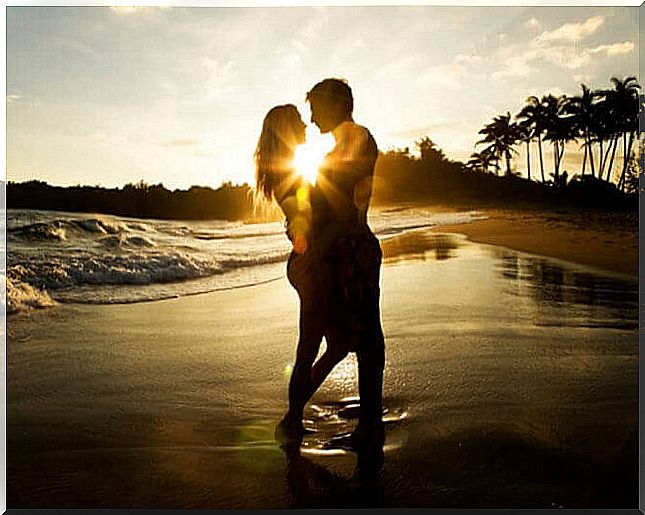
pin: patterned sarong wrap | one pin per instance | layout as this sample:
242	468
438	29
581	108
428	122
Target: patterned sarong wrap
341	284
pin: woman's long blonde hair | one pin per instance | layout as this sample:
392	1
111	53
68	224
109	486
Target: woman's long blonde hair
276	147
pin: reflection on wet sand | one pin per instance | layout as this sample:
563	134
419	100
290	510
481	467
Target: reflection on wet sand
420	245
567	294
314	486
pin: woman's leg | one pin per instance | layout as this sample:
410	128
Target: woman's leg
310	338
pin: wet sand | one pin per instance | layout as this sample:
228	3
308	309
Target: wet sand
605	240
511	381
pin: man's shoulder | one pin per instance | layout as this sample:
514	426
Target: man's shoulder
352	134
352	128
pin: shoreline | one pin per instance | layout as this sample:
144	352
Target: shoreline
606	241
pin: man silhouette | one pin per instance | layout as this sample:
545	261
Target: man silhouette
354	255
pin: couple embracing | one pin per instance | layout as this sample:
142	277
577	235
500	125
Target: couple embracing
335	262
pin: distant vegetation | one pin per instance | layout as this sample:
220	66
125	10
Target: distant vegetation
228	202
431	177
599	120
603	122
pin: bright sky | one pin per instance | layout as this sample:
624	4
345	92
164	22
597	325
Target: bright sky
98	95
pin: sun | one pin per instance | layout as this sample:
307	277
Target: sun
310	155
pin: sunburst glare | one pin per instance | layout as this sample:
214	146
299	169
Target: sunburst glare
309	156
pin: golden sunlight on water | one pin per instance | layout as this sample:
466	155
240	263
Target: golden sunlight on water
310	155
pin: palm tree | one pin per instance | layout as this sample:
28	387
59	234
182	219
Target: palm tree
604	128
625	99
525	134
480	161
621	111
532	116
581	112
501	135
558	129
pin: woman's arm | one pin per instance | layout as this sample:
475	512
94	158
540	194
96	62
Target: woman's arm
294	201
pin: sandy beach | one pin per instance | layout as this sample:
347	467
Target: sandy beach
511	381
607	241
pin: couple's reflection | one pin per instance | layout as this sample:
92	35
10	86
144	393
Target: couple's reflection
313	485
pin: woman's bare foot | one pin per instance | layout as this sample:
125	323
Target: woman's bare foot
289	431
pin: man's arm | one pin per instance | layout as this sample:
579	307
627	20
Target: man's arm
353	162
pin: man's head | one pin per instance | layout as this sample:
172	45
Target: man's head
331	104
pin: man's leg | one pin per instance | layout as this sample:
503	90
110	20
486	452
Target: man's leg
371	353
371	364
338	345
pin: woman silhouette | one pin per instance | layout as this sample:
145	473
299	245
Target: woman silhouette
315	224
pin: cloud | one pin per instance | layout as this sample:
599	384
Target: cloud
299	46
73	44
446	76
294	56
178	143
582	78
573	31
397	67
556	91
533	23
218	71
439	125
130	137
312	29
515	67
291	61
562	47
202	153
124	10
414	133
456	73
625	47
103	135
471	58
218	77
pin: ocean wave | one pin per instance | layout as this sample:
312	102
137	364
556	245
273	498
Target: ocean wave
82	257
100	226
207	236
130	268
391	232
138	226
23	296
59	229
56	231
127	269
120	241
267	259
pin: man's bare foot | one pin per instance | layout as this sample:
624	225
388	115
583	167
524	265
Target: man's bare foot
368	436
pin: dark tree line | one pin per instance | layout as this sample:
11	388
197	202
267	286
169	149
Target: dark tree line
228	202
429	176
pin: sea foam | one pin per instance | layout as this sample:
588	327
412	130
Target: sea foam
23	297
80	257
